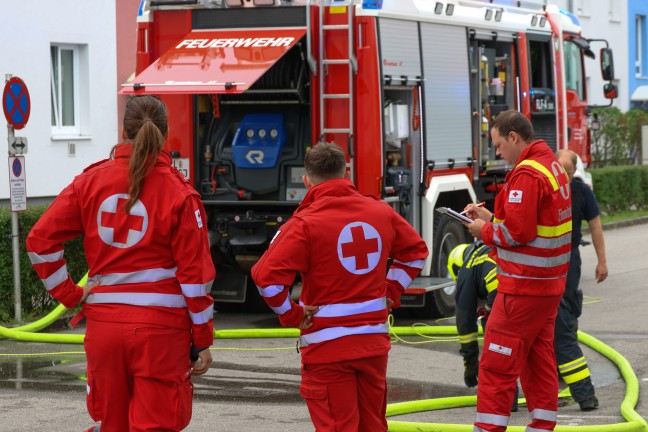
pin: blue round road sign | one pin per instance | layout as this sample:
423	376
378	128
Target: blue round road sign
16	167
15	102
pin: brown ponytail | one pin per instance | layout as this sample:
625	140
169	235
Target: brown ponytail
145	126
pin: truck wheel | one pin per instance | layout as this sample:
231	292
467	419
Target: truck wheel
448	233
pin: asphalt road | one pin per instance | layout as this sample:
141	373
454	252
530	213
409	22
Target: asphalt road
254	384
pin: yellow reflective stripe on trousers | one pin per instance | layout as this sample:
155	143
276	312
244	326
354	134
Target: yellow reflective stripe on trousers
338	332
578	376
574	364
538	166
468	338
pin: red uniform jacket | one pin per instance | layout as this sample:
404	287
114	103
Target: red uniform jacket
340	242
153	265
532	228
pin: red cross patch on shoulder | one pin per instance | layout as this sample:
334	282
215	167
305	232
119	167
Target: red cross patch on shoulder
515	196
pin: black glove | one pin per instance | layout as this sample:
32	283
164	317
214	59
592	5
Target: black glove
471	367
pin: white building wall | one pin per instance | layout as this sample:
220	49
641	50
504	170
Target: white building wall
603	19
27	29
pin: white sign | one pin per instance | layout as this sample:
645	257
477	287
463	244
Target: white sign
17	183
182	165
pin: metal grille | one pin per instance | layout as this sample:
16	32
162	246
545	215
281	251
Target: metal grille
211	19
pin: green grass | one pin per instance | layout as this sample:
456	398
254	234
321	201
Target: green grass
621	216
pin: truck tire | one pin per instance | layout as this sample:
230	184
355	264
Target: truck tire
448	233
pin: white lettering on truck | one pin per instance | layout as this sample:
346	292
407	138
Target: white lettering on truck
240	42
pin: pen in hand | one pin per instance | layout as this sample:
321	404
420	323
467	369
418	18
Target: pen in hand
481	204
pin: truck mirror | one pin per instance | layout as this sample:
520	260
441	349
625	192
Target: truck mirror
607	64
610	91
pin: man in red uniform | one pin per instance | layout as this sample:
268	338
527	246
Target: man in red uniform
531	233
148	308
340	243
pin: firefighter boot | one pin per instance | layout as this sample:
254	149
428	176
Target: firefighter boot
589	404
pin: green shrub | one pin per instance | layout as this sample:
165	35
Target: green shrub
35	299
621	188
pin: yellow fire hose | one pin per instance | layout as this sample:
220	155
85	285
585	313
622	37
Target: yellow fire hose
635	423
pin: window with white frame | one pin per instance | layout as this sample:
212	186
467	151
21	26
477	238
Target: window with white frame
640	54
64	78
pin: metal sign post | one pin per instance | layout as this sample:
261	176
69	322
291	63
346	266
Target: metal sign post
16	107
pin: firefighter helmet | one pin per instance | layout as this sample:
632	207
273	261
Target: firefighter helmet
456	260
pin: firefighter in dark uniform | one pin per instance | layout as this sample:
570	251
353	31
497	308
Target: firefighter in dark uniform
475	272
572	365
476	276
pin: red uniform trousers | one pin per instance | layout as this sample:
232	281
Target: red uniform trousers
347	396
518	343
139	376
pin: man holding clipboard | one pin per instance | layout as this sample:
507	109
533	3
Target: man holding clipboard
530	233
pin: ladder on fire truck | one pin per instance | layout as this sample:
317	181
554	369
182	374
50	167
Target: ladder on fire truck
320	66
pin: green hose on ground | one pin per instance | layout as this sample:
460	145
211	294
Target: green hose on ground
47	320
635	423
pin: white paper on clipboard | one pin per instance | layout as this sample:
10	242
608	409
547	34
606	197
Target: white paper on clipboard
454	215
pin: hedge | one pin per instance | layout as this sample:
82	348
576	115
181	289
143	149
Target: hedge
35	299
621	188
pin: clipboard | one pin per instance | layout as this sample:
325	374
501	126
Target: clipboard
454	215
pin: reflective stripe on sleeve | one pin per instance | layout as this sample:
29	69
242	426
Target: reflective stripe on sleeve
507	236
138	299
346	309
142	276
39	259
196	290
271	290
203	316
492	419
338	332
285	307
415	264
56	278
542	414
400	276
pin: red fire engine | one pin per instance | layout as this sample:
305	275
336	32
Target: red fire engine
407	87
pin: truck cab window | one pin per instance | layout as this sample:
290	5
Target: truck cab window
574	77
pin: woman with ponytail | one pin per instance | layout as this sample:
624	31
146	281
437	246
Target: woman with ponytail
148	308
